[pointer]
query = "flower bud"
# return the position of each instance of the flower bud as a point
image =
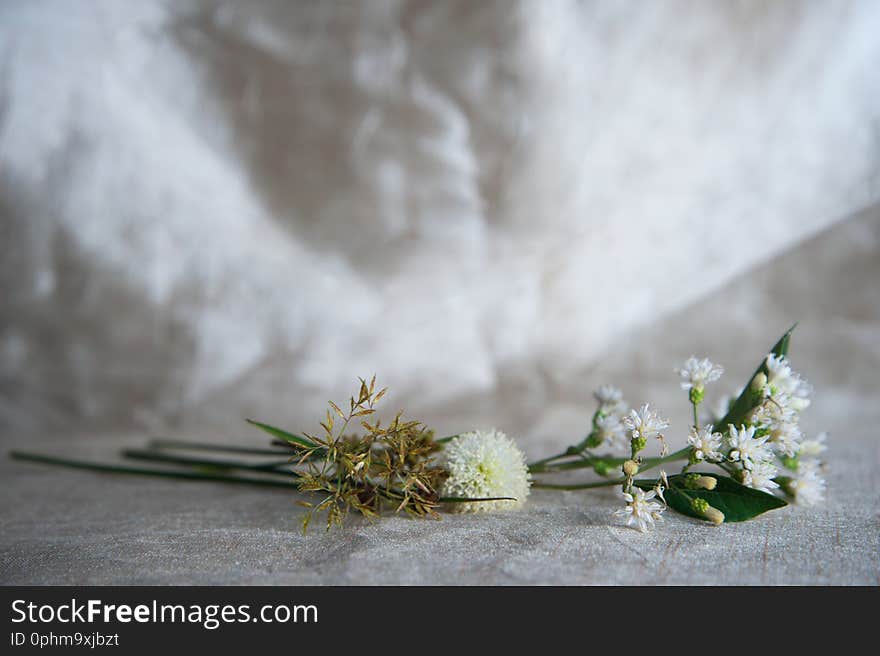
(699, 505)
(630, 468)
(708, 512)
(798, 404)
(696, 395)
(601, 467)
(790, 463)
(700, 482)
(758, 382)
(707, 482)
(714, 515)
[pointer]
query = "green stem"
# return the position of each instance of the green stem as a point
(579, 486)
(575, 450)
(138, 471)
(163, 443)
(193, 476)
(155, 456)
(539, 465)
(589, 463)
(696, 419)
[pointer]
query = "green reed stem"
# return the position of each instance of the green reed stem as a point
(578, 486)
(143, 471)
(589, 463)
(184, 445)
(156, 456)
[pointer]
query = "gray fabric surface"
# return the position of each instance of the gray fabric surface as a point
(59, 526)
(64, 527)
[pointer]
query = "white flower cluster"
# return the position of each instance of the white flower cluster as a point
(770, 439)
(608, 422)
(641, 510)
(785, 395)
(753, 455)
(483, 465)
(486, 471)
(755, 452)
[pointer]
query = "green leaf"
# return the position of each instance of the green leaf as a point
(282, 434)
(738, 502)
(749, 398)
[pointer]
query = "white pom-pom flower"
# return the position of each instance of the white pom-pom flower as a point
(486, 464)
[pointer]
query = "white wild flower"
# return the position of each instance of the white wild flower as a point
(800, 397)
(784, 385)
(761, 475)
(697, 372)
(611, 431)
(645, 423)
(486, 464)
(774, 411)
(807, 486)
(609, 397)
(746, 448)
(780, 377)
(641, 510)
(786, 439)
(815, 447)
(706, 444)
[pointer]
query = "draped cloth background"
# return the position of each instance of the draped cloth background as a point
(213, 210)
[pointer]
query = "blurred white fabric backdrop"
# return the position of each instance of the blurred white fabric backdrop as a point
(213, 210)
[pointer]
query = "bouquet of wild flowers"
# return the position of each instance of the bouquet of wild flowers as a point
(759, 455)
